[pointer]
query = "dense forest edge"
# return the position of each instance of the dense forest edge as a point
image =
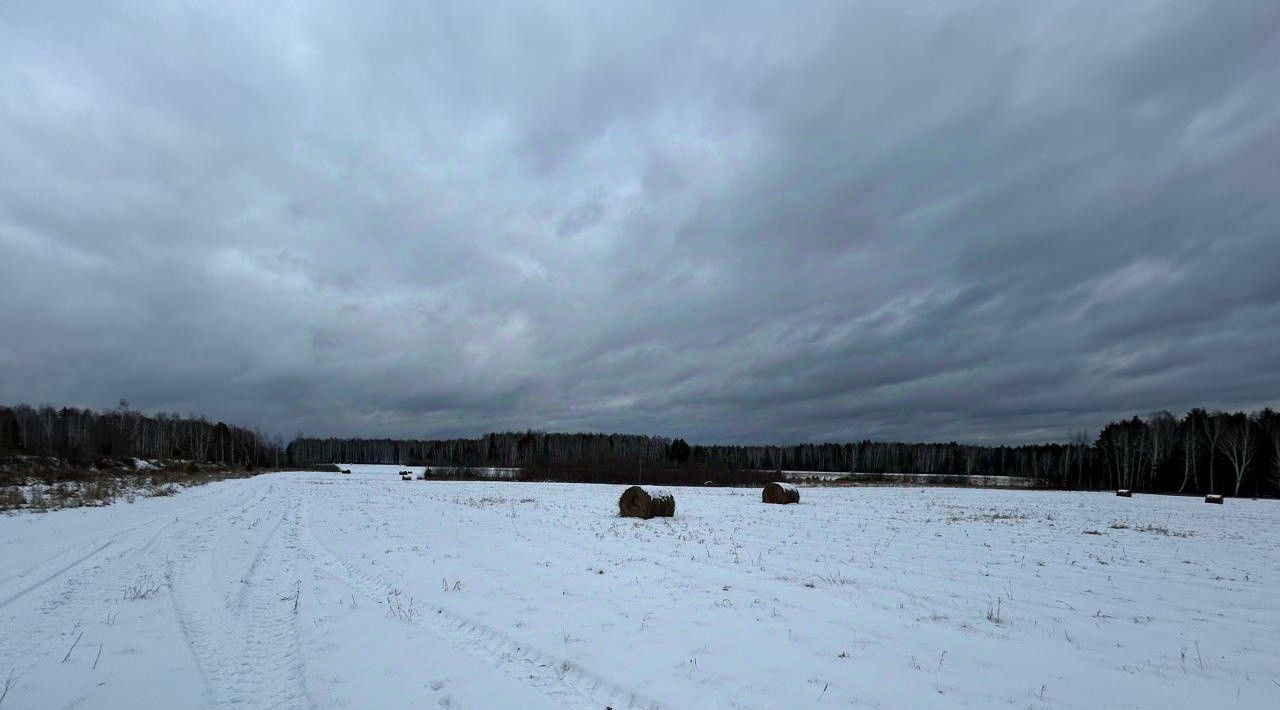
(1230, 453)
(71, 458)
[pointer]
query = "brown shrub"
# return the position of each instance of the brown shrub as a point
(11, 498)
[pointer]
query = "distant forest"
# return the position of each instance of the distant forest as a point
(84, 436)
(1201, 452)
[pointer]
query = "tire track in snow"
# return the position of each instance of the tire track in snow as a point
(247, 579)
(93, 540)
(566, 682)
(55, 575)
(118, 540)
(48, 561)
(89, 592)
(248, 653)
(71, 566)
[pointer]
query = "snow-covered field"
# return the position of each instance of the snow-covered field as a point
(363, 591)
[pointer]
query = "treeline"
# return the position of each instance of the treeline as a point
(603, 457)
(541, 450)
(1233, 453)
(506, 450)
(1201, 452)
(82, 436)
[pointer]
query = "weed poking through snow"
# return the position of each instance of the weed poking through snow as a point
(142, 588)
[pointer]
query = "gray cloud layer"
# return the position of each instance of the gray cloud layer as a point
(744, 222)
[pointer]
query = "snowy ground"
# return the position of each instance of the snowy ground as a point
(363, 591)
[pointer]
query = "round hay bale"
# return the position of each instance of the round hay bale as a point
(1124, 493)
(781, 493)
(1213, 499)
(642, 502)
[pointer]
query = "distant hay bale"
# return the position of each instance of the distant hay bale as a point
(1213, 499)
(643, 502)
(1124, 493)
(781, 493)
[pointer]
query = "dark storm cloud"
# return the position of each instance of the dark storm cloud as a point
(753, 222)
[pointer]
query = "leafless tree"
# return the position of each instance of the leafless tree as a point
(1190, 449)
(1215, 425)
(1271, 429)
(199, 436)
(1162, 432)
(46, 417)
(1122, 446)
(1080, 445)
(1237, 445)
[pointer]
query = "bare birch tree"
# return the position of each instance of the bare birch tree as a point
(1237, 445)
(1215, 425)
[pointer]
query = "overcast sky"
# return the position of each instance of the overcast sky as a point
(733, 222)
